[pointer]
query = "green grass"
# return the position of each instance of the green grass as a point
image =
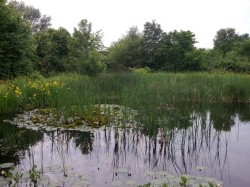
(148, 92)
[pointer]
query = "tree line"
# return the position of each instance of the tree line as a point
(175, 51)
(28, 44)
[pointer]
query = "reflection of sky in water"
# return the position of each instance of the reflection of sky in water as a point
(239, 155)
(225, 155)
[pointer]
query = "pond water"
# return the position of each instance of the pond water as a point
(205, 142)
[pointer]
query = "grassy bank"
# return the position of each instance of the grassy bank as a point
(149, 92)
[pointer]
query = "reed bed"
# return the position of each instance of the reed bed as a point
(150, 92)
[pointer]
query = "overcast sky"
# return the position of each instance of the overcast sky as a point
(115, 17)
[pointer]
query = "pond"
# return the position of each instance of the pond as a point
(203, 143)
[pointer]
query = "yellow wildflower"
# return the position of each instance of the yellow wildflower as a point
(6, 94)
(48, 92)
(18, 91)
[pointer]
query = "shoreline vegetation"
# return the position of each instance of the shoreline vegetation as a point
(148, 92)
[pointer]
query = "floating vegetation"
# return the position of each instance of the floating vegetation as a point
(200, 168)
(163, 178)
(6, 165)
(96, 118)
(116, 183)
(130, 182)
(51, 177)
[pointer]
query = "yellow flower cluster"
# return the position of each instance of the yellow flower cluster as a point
(37, 87)
(14, 90)
(45, 87)
(18, 91)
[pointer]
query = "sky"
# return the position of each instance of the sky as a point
(114, 17)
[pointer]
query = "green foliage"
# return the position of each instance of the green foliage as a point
(16, 44)
(195, 60)
(224, 40)
(36, 75)
(52, 50)
(245, 48)
(233, 62)
(93, 65)
(140, 70)
(152, 35)
(34, 174)
(148, 92)
(227, 40)
(84, 55)
(173, 51)
(184, 181)
(37, 21)
(126, 53)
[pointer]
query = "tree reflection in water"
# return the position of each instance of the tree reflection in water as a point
(199, 139)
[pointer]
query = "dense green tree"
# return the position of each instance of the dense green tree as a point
(85, 40)
(16, 44)
(227, 40)
(53, 50)
(152, 35)
(94, 64)
(126, 53)
(83, 45)
(233, 62)
(230, 47)
(196, 60)
(245, 48)
(173, 51)
(38, 21)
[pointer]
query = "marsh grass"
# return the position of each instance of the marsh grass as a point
(150, 93)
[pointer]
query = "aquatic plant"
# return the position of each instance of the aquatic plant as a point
(149, 93)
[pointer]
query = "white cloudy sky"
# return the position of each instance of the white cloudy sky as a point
(115, 17)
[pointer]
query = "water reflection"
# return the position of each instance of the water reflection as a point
(210, 137)
(14, 142)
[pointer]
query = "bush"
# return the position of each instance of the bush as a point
(140, 70)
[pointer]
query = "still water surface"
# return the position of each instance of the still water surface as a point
(215, 137)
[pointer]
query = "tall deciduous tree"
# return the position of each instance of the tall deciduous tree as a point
(245, 48)
(84, 44)
(224, 40)
(16, 44)
(152, 35)
(85, 40)
(173, 50)
(38, 21)
(126, 53)
(53, 50)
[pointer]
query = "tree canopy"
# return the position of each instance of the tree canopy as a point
(16, 44)
(28, 44)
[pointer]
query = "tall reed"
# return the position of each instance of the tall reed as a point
(151, 92)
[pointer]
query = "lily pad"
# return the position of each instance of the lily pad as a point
(6, 165)
(200, 168)
(130, 182)
(54, 184)
(116, 183)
